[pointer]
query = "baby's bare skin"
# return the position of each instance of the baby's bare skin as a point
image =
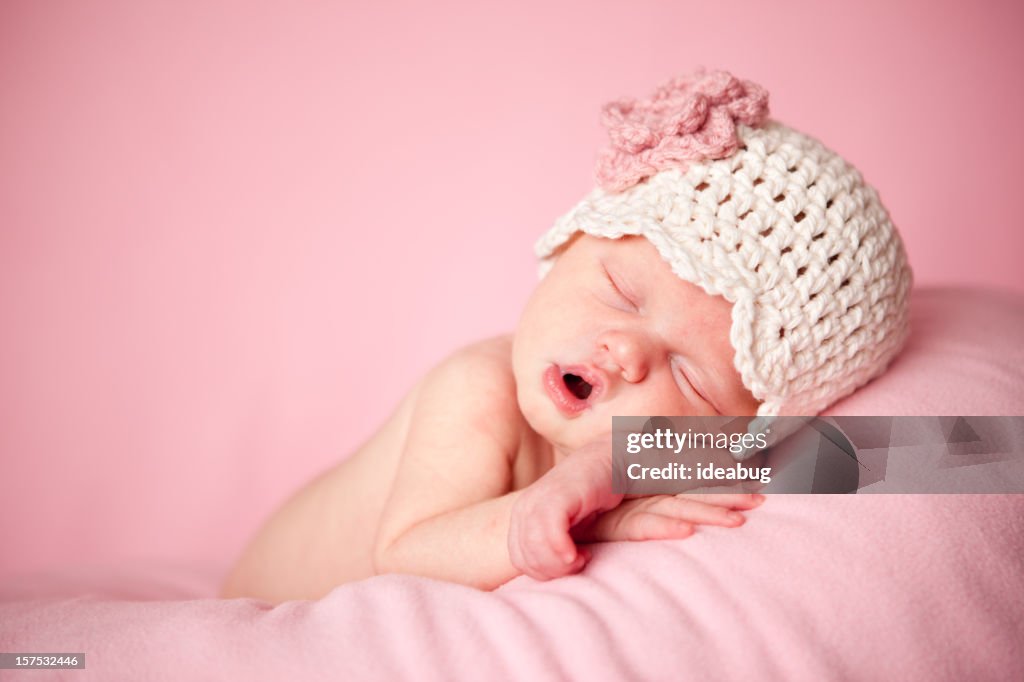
(484, 469)
(294, 556)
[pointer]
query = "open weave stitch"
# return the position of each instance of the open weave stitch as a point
(765, 216)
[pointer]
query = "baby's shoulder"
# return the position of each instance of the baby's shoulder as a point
(495, 352)
(476, 383)
(485, 367)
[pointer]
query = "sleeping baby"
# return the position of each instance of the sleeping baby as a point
(725, 265)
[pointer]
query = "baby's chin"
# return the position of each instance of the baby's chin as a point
(576, 434)
(560, 433)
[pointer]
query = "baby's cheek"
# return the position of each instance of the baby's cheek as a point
(656, 400)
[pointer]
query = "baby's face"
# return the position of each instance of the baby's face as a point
(611, 330)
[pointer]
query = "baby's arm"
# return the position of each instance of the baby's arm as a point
(667, 517)
(574, 502)
(447, 516)
(572, 493)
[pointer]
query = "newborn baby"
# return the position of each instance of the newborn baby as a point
(726, 265)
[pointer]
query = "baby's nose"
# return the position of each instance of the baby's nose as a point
(625, 353)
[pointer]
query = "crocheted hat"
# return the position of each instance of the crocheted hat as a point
(765, 216)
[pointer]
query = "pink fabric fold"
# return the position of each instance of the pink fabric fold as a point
(812, 587)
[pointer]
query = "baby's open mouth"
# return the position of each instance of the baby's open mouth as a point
(577, 386)
(573, 388)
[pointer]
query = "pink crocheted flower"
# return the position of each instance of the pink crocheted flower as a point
(689, 118)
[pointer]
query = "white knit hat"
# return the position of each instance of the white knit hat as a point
(765, 216)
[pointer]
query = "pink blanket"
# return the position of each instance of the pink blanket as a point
(826, 587)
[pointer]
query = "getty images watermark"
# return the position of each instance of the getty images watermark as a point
(668, 455)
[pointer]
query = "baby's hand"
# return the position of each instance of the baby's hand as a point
(664, 517)
(574, 491)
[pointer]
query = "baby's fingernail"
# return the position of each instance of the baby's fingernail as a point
(759, 498)
(733, 516)
(569, 557)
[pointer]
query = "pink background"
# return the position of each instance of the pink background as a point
(232, 234)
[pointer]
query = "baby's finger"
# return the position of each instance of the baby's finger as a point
(582, 557)
(553, 552)
(553, 566)
(731, 500)
(651, 526)
(561, 543)
(535, 564)
(735, 488)
(700, 512)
